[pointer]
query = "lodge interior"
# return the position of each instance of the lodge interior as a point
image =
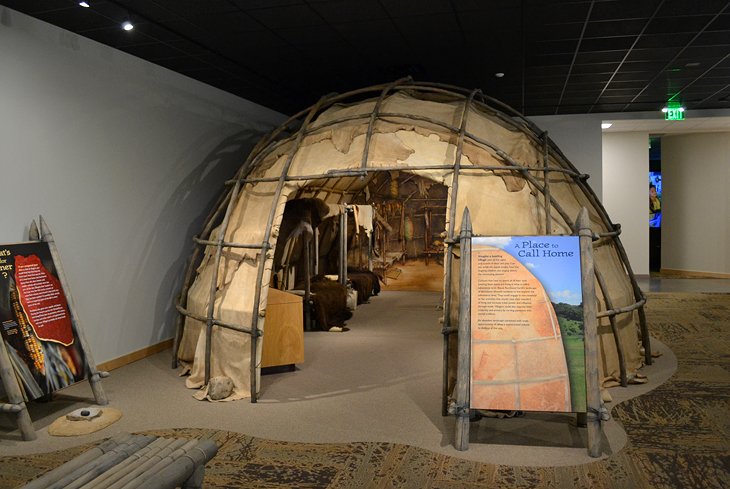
(391, 218)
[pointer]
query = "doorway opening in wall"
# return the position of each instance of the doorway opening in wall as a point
(365, 257)
(655, 203)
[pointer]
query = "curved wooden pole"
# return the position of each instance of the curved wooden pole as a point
(448, 260)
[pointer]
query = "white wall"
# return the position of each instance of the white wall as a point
(123, 159)
(626, 192)
(695, 202)
(579, 137)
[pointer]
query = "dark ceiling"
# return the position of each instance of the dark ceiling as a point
(557, 56)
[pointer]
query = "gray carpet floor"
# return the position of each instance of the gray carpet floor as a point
(379, 381)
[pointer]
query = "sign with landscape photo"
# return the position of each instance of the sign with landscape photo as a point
(36, 324)
(527, 347)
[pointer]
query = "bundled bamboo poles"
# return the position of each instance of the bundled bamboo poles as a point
(133, 462)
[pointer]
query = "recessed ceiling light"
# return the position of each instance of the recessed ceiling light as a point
(605, 125)
(85, 4)
(499, 74)
(127, 25)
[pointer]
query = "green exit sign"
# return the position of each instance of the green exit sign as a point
(673, 112)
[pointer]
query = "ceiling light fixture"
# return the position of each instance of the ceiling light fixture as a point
(499, 74)
(606, 125)
(85, 4)
(127, 25)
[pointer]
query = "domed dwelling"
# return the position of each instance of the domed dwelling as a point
(336, 154)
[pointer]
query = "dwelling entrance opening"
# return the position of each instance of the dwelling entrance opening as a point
(343, 241)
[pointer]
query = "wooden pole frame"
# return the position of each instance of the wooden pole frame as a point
(303, 124)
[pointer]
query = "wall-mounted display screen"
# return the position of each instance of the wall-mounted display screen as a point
(655, 199)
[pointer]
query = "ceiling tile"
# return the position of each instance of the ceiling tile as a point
(686, 8)
(287, 16)
(339, 12)
(615, 28)
(673, 25)
(407, 8)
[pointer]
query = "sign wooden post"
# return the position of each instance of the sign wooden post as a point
(464, 344)
(95, 376)
(590, 324)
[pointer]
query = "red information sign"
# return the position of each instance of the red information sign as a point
(35, 322)
(43, 300)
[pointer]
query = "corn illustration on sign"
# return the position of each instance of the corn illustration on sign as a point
(37, 327)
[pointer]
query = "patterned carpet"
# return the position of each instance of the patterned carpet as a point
(679, 434)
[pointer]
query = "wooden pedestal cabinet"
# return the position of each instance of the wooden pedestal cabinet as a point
(283, 340)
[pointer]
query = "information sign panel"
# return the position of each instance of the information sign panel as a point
(527, 347)
(36, 324)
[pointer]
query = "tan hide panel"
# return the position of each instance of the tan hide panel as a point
(621, 294)
(247, 224)
(495, 211)
(571, 199)
(234, 298)
(323, 156)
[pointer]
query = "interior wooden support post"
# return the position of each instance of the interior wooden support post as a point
(358, 237)
(267, 239)
(307, 285)
(316, 251)
(614, 328)
(546, 166)
(370, 249)
(384, 251)
(343, 247)
(94, 375)
(464, 362)
(448, 259)
(590, 324)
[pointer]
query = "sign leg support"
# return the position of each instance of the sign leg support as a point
(590, 323)
(94, 375)
(464, 361)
